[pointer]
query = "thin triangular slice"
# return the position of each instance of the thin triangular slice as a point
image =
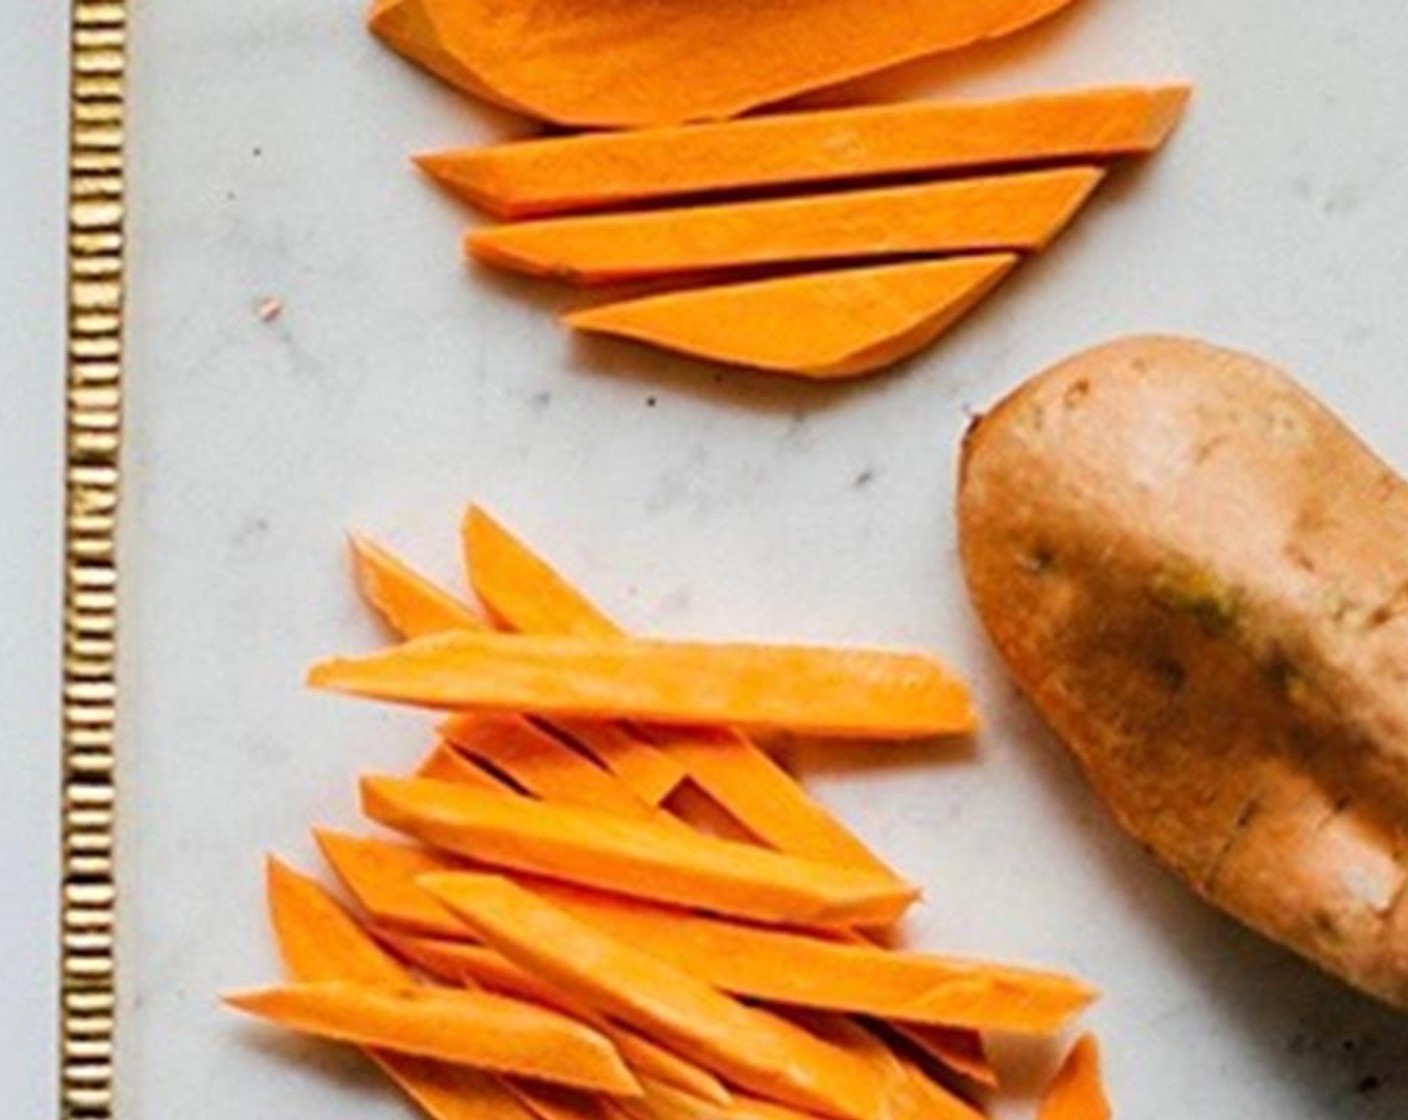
(749, 1047)
(1016, 212)
(586, 62)
(445, 764)
(820, 325)
(598, 170)
(633, 856)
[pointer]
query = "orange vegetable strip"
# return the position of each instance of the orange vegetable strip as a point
(523, 590)
(459, 962)
(381, 876)
(541, 764)
(635, 857)
(822, 691)
(823, 326)
(594, 170)
(408, 602)
(520, 588)
(857, 977)
(748, 1047)
(664, 1102)
(445, 764)
(958, 1049)
(1078, 1091)
(644, 769)
(319, 940)
(910, 1093)
(452, 1025)
(1020, 212)
(499, 566)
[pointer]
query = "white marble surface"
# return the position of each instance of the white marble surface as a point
(269, 161)
(33, 85)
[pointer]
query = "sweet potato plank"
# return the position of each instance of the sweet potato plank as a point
(594, 170)
(452, 1025)
(409, 603)
(462, 962)
(524, 591)
(541, 764)
(748, 1047)
(643, 768)
(382, 875)
(318, 940)
(1077, 1092)
(878, 694)
(791, 968)
(821, 325)
(641, 62)
(1008, 212)
(445, 764)
(636, 857)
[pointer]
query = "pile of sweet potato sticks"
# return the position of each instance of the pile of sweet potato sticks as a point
(820, 243)
(616, 905)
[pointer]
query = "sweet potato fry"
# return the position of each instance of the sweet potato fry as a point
(542, 764)
(637, 857)
(795, 969)
(748, 1047)
(445, 764)
(817, 690)
(381, 876)
(406, 600)
(524, 591)
(452, 1025)
(1077, 1092)
(460, 962)
(318, 940)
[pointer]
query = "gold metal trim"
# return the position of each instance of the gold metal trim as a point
(94, 435)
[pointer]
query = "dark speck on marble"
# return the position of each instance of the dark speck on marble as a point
(863, 478)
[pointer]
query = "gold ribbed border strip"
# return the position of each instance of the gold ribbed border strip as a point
(94, 431)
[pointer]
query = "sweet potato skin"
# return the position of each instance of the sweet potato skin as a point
(1199, 576)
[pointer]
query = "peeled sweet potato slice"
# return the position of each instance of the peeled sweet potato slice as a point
(1012, 212)
(541, 764)
(445, 764)
(790, 968)
(381, 876)
(820, 325)
(451, 1025)
(318, 940)
(626, 63)
(561, 174)
(523, 590)
(877, 694)
(411, 604)
(461, 962)
(746, 1046)
(1077, 1092)
(632, 856)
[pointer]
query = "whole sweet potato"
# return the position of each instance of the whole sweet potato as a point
(1200, 577)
